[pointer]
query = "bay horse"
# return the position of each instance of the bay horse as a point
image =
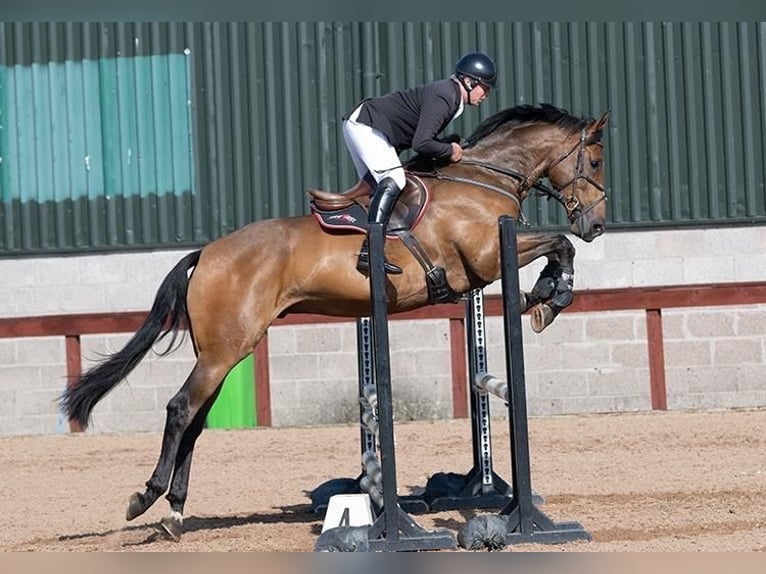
(229, 292)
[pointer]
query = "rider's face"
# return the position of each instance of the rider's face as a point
(478, 94)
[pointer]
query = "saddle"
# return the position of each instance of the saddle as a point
(347, 213)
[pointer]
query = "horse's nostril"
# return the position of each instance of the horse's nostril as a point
(598, 229)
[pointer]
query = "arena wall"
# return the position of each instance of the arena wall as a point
(585, 362)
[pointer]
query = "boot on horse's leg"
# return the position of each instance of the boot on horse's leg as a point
(381, 205)
(557, 288)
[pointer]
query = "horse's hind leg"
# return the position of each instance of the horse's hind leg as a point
(179, 487)
(182, 409)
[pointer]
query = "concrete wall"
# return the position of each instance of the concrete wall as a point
(584, 362)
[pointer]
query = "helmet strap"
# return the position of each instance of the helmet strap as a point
(467, 85)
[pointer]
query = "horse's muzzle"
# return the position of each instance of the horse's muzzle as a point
(595, 230)
(587, 230)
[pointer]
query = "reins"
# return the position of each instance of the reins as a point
(439, 175)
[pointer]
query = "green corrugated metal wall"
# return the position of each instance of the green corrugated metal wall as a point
(134, 135)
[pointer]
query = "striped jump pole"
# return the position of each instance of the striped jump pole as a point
(488, 383)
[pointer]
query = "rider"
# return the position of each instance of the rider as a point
(380, 128)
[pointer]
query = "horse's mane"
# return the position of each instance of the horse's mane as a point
(524, 114)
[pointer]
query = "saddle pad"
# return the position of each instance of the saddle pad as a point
(353, 219)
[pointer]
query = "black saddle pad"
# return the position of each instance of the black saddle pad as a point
(352, 218)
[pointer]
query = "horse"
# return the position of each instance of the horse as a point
(226, 294)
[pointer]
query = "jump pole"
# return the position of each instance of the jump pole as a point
(393, 529)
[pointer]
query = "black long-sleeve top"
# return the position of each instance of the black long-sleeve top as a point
(413, 118)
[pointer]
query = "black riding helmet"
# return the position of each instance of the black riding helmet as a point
(477, 66)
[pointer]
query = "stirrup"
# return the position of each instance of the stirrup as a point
(363, 265)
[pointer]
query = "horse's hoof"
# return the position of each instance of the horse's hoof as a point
(135, 506)
(542, 316)
(523, 302)
(173, 525)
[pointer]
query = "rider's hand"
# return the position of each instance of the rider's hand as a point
(457, 153)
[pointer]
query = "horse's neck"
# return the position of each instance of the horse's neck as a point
(524, 149)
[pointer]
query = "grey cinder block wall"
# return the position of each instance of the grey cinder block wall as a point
(585, 362)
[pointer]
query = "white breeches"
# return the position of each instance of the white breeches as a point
(370, 151)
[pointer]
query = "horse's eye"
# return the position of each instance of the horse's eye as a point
(595, 163)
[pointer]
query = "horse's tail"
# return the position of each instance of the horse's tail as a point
(169, 308)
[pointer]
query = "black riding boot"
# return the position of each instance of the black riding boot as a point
(381, 205)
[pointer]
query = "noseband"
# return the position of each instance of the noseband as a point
(570, 202)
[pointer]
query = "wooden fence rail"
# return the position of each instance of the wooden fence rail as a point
(652, 300)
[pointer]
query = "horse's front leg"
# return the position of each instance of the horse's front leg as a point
(553, 290)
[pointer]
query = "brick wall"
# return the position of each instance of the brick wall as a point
(585, 362)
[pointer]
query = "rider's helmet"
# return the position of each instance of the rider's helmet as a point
(478, 66)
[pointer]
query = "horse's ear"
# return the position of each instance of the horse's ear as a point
(599, 124)
(595, 129)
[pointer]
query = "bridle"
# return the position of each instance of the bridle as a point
(570, 202)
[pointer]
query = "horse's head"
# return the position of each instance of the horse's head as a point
(577, 176)
(528, 143)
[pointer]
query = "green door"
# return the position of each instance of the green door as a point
(235, 406)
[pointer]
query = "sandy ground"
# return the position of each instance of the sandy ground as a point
(662, 481)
